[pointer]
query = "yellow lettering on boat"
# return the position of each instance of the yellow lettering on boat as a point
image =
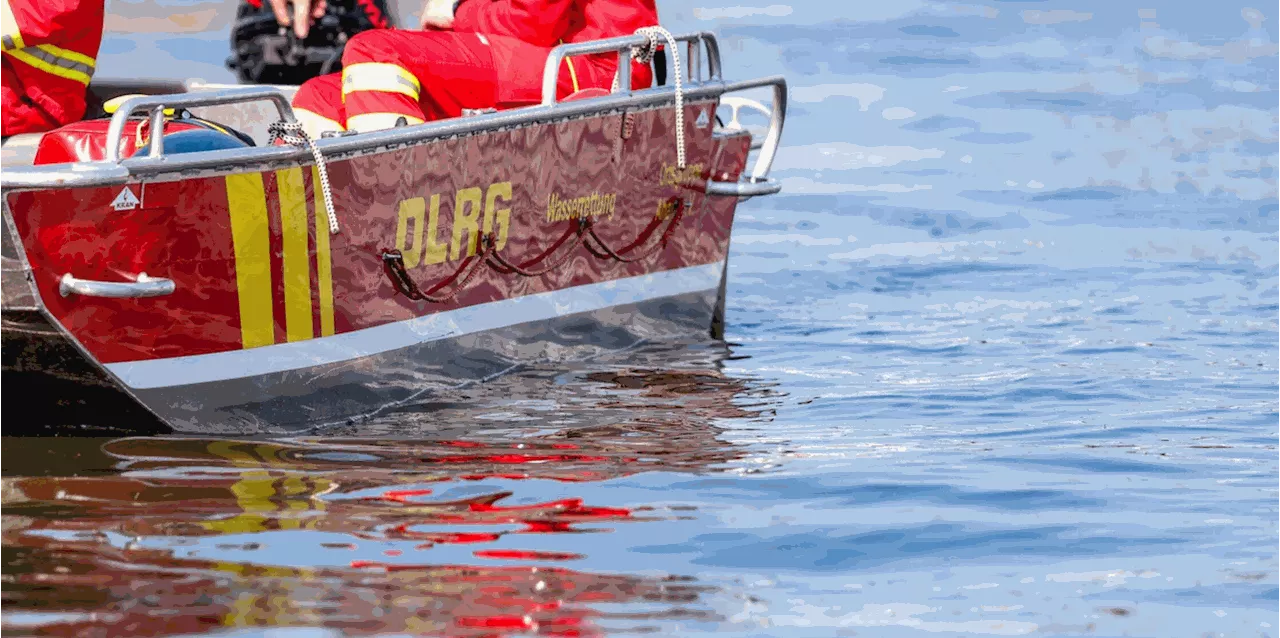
(676, 176)
(426, 238)
(324, 262)
(667, 208)
(411, 210)
(251, 244)
(295, 241)
(436, 252)
(503, 190)
(466, 219)
(593, 205)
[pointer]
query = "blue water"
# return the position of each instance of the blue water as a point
(1002, 361)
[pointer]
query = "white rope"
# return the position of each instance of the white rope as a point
(645, 54)
(293, 133)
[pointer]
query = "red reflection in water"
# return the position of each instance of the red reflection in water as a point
(400, 496)
(516, 554)
(142, 548)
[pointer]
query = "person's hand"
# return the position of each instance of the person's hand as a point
(304, 13)
(437, 14)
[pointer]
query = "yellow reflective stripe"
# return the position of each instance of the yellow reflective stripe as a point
(573, 73)
(296, 260)
(379, 76)
(250, 238)
(68, 54)
(53, 65)
(324, 265)
(315, 124)
(366, 122)
(9, 31)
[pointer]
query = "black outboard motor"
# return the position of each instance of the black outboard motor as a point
(264, 52)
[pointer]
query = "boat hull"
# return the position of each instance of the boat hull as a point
(351, 391)
(51, 385)
(278, 324)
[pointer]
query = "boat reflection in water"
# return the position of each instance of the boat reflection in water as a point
(446, 534)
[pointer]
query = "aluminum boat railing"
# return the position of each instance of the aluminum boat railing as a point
(158, 166)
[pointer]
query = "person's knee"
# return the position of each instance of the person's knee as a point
(318, 91)
(318, 105)
(373, 62)
(376, 45)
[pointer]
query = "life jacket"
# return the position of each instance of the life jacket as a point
(50, 53)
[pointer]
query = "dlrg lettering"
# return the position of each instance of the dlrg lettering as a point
(421, 245)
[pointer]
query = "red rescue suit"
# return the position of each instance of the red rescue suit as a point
(493, 57)
(50, 52)
(546, 23)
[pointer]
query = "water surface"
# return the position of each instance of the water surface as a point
(1001, 361)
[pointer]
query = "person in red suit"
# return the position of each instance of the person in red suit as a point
(50, 52)
(472, 54)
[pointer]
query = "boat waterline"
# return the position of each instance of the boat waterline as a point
(283, 357)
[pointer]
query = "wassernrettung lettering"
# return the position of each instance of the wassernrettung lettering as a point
(593, 205)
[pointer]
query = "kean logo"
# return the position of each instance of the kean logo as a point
(126, 200)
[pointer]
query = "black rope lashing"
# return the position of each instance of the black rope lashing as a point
(582, 229)
(502, 265)
(607, 252)
(393, 265)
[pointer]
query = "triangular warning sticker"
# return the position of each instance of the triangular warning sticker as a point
(702, 120)
(126, 200)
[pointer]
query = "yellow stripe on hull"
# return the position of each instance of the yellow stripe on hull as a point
(251, 239)
(297, 262)
(324, 263)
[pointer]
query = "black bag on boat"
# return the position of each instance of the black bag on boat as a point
(263, 52)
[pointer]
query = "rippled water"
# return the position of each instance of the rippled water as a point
(1002, 360)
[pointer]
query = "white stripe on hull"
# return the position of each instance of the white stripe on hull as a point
(282, 357)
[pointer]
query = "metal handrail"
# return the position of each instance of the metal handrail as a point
(156, 105)
(758, 182)
(98, 174)
(622, 46)
(750, 188)
(93, 174)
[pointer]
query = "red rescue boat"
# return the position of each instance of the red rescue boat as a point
(213, 291)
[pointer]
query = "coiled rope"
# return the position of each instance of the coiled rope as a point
(293, 134)
(645, 54)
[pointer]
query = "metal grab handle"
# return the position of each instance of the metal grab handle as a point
(156, 105)
(144, 287)
(744, 189)
(622, 46)
(758, 184)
